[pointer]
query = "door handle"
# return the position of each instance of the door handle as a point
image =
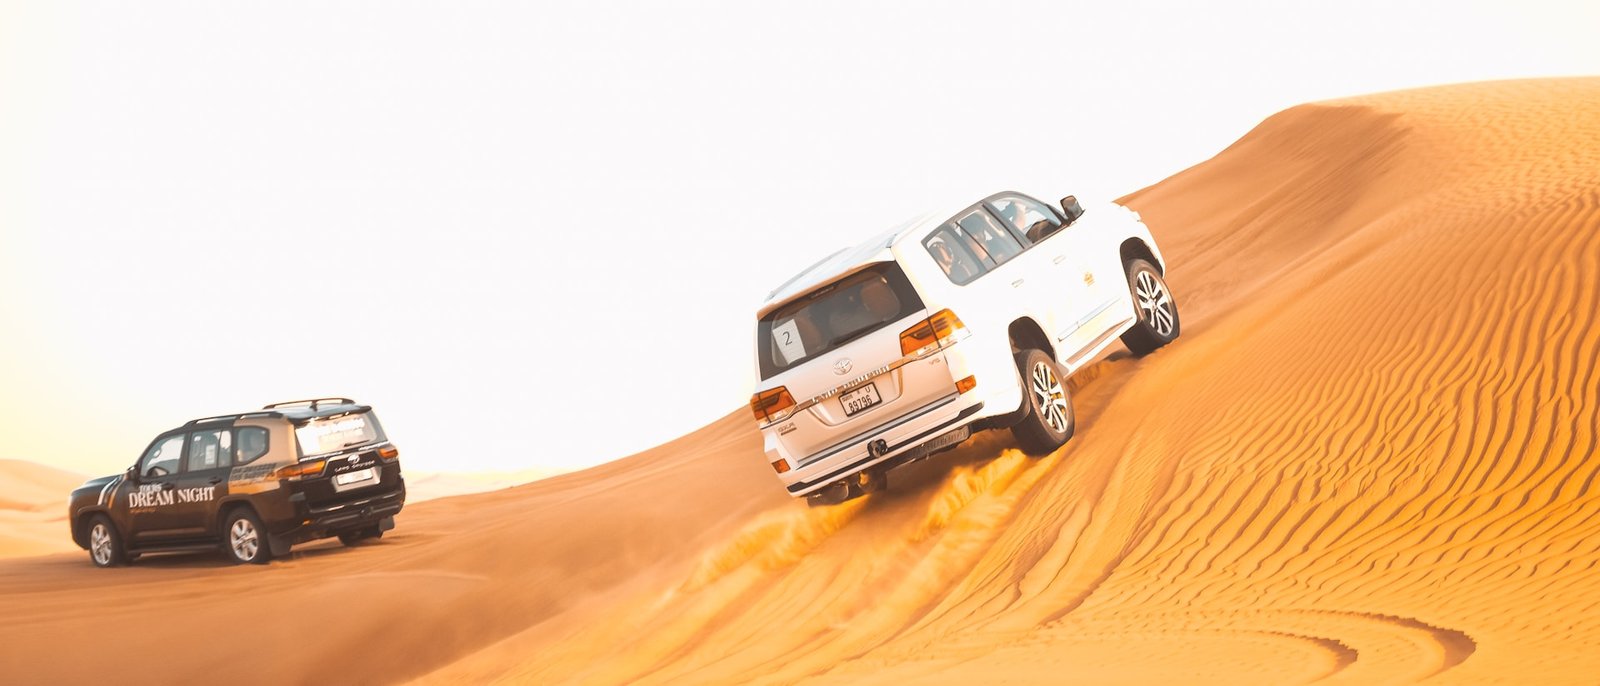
(1059, 259)
(167, 486)
(1017, 283)
(216, 480)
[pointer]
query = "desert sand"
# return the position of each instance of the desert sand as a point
(1370, 459)
(33, 508)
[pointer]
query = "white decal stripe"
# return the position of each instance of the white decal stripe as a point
(109, 485)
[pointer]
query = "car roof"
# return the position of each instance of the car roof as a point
(297, 411)
(858, 257)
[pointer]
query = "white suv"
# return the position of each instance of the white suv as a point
(904, 345)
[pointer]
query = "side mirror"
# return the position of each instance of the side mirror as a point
(132, 474)
(1071, 208)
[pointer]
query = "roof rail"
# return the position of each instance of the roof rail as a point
(313, 402)
(240, 415)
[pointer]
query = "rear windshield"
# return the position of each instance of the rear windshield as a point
(332, 434)
(834, 315)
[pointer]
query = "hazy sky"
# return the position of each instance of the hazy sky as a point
(535, 234)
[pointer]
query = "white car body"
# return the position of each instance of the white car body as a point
(1067, 294)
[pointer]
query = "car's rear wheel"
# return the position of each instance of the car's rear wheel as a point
(105, 544)
(244, 540)
(1157, 311)
(1049, 421)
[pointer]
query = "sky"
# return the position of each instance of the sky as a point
(535, 235)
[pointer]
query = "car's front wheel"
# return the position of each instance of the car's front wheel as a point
(244, 540)
(1049, 421)
(105, 544)
(1157, 312)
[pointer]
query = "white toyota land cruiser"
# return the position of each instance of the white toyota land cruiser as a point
(904, 345)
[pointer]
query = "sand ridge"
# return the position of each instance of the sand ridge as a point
(1371, 459)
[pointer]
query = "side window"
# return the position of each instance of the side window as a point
(994, 241)
(162, 459)
(953, 251)
(210, 449)
(251, 444)
(1032, 220)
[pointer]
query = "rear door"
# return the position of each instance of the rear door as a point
(203, 482)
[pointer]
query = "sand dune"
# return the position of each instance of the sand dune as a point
(1371, 459)
(33, 508)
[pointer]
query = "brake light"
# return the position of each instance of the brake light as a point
(772, 405)
(389, 453)
(936, 332)
(301, 469)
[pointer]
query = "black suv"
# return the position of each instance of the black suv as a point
(253, 483)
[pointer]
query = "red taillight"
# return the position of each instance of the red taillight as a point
(301, 469)
(389, 453)
(771, 405)
(931, 334)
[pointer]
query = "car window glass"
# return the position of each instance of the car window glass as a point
(162, 459)
(1031, 219)
(250, 444)
(210, 449)
(953, 251)
(994, 241)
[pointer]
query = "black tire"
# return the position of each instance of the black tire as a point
(1049, 421)
(352, 538)
(1157, 311)
(105, 543)
(244, 540)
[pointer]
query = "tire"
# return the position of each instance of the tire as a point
(1049, 421)
(244, 540)
(105, 544)
(1157, 311)
(353, 538)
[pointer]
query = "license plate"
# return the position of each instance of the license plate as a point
(860, 399)
(355, 476)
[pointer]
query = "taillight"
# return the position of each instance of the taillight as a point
(389, 453)
(933, 333)
(772, 405)
(301, 469)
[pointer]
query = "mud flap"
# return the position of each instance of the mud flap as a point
(279, 545)
(385, 524)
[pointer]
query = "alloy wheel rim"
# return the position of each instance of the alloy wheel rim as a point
(1051, 397)
(1155, 304)
(244, 540)
(100, 543)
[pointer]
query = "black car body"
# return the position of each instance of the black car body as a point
(253, 483)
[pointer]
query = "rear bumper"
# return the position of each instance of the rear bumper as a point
(943, 426)
(320, 520)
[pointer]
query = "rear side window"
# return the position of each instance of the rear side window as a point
(990, 237)
(834, 315)
(251, 444)
(957, 254)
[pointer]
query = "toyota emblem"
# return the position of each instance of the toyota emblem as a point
(842, 367)
(355, 458)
